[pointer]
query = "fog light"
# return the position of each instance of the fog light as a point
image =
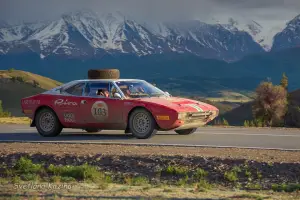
(182, 116)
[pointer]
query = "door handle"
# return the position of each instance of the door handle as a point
(83, 102)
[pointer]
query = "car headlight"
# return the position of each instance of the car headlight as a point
(182, 116)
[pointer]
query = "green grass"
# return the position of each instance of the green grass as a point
(176, 170)
(25, 166)
(232, 175)
(136, 181)
(83, 172)
(200, 173)
(24, 170)
(286, 187)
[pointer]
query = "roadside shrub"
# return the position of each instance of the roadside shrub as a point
(286, 187)
(225, 122)
(35, 83)
(2, 112)
(259, 122)
(200, 173)
(25, 166)
(220, 122)
(246, 123)
(21, 79)
(232, 175)
(82, 172)
(270, 104)
(176, 170)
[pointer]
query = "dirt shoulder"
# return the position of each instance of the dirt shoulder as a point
(131, 150)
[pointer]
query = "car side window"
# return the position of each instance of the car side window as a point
(76, 90)
(97, 89)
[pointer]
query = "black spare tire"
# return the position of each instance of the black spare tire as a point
(103, 74)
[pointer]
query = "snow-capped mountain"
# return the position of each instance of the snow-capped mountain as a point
(85, 34)
(261, 32)
(289, 37)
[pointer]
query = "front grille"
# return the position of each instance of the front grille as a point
(196, 116)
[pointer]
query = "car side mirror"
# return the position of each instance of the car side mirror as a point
(117, 95)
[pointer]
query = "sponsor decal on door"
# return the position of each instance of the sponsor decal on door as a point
(69, 117)
(31, 102)
(62, 102)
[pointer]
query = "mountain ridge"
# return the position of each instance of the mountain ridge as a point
(87, 34)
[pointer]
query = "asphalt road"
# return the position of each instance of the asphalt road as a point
(206, 136)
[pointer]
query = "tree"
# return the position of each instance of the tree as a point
(284, 81)
(270, 104)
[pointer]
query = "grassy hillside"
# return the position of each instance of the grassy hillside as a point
(28, 77)
(238, 115)
(15, 84)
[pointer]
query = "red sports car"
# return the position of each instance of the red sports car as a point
(135, 106)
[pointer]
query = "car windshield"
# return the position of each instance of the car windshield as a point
(138, 89)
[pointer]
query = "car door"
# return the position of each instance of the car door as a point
(100, 111)
(67, 105)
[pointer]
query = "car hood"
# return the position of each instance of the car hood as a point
(180, 104)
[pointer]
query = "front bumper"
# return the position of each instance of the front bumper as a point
(187, 120)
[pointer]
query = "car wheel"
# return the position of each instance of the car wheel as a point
(186, 131)
(142, 124)
(92, 130)
(47, 123)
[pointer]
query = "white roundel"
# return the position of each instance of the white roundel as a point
(99, 110)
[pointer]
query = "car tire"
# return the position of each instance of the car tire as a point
(47, 123)
(142, 124)
(92, 130)
(103, 74)
(186, 131)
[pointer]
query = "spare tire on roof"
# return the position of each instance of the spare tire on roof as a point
(103, 74)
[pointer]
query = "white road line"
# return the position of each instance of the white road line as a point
(202, 133)
(146, 144)
(250, 134)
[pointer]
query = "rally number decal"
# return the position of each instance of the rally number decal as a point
(99, 110)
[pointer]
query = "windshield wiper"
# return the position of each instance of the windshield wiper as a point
(139, 94)
(157, 94)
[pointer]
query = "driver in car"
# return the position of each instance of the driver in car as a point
(103, 92)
